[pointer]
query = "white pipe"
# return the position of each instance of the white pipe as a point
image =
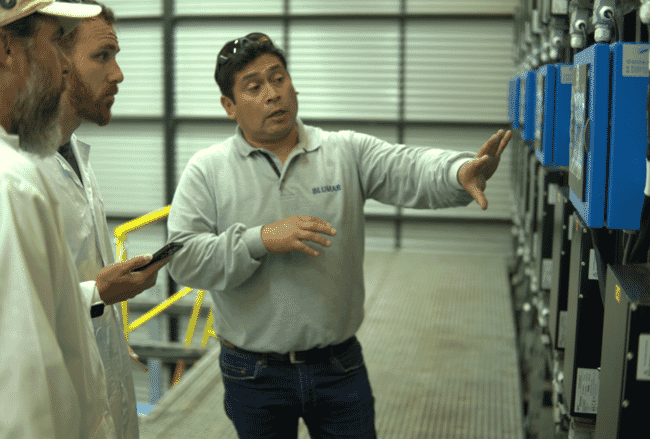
(644, 11)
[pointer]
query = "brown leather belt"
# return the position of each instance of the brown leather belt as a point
(313, 355)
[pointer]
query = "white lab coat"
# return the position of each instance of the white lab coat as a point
(90, 243)
(51, 377)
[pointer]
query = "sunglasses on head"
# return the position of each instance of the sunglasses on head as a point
(238, 46)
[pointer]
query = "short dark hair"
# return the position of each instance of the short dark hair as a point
(107, 14)
(225, 75)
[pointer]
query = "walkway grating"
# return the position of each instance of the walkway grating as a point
(439, 343)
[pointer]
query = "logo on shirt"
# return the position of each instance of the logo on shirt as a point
(325, 189)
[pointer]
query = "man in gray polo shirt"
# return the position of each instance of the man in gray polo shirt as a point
(287, 312)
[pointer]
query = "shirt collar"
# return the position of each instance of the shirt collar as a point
(10, 139)
(80, 149)
(308, 140)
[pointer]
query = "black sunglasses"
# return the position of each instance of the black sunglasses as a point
(238, 46)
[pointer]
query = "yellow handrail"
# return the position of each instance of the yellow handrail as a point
(121, 233)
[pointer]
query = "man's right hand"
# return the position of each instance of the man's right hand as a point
(117, 282)
(287, 235)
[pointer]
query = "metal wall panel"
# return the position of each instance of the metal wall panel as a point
(141, 61)
(346, 69)
(461, 7)
(130, 9)
(458, 70)
(467, 138)
(128, 159)
(197, 46)
(344, 7)
(228, 7)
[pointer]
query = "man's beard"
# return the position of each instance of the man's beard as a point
(89, 107)
(37, 115)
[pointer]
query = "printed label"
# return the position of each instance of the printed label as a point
(635, 60)
(593, 268)
(643, 363)
(587, 384)
(566, 74)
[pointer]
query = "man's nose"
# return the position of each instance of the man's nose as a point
(117, 75)
(271, 93)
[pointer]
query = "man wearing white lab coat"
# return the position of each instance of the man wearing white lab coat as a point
(51, 378)
(92, 48)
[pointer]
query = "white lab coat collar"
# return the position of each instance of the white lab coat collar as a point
(81, 152)
(10, 139)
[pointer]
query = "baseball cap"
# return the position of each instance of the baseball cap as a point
(69, 14)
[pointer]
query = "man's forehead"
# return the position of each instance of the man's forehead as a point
(98, 29)
(260, 66)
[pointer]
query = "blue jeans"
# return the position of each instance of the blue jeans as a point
(264, 397)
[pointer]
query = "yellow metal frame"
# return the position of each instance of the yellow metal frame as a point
(121, 233)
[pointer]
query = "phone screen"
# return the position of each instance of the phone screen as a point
(167, 250)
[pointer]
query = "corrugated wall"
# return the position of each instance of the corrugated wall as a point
(347, 70)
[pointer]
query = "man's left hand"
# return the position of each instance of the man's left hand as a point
(474, 174)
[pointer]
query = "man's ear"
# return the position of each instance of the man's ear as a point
(229, 106)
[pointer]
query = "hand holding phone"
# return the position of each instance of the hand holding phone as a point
(167, 250)
(123, 280)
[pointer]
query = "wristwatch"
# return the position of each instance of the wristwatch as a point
(97, 309)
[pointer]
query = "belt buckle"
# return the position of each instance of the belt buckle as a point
(292, 358)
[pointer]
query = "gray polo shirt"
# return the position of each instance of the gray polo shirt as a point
(280, 303)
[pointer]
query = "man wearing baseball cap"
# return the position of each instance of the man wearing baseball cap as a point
(51, 378)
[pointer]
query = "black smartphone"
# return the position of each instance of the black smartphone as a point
(167, 250)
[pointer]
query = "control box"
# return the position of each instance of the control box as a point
(623, 404)
(563, 229)
(584, 325)
(607, 165)
(553, 114)
(629, 136)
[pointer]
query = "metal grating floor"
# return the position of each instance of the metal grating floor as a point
(439, 343)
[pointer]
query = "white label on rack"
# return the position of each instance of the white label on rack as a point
(552, 193)
(643, 363)
(566, 74)
(593, 268)
(635, 59)
(587, 384)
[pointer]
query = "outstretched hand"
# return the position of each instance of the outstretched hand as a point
(474, 174)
